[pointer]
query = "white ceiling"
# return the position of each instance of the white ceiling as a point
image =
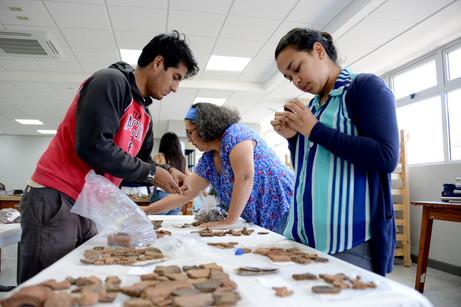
(371, 36)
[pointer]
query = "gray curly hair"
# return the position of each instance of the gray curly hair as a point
(212, 120)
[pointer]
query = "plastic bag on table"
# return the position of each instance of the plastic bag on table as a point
(211, 211)
(113, 211)
(10, 215)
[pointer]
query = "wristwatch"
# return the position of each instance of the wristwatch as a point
(151, 176)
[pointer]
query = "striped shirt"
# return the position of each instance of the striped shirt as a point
(331, 203)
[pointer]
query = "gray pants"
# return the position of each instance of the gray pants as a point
(359, 255)
(49, 229)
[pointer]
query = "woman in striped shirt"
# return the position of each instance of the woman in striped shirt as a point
(344, 144)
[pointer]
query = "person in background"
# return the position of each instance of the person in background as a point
(344, 145)
(108, 129)
(246, 173)
(169, 152)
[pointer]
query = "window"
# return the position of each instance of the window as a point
(432, 116)
(454, 64)
(423, 121)
(415, 80)
(454, 123)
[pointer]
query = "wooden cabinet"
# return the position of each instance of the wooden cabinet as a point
(10, 201)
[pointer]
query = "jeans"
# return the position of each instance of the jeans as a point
(158, 194)
(359, 255)
(49, 229)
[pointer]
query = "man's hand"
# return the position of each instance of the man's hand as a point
(181, 179)
(163, 179)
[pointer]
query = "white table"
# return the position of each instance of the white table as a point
(186, 248)
(9, 234)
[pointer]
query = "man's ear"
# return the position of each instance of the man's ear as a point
(158, 61)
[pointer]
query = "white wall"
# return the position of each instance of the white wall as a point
(18, 157)
(19, 154)
(426, 183)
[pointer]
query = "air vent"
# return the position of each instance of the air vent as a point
(35, 44)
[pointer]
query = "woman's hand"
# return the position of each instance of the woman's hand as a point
(224, 222)
(298, 117)
(281, 126)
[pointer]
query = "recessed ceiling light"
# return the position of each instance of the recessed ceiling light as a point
(216, 101)
(47, 131)
(29, 121)
(227, 63)
(130, 56)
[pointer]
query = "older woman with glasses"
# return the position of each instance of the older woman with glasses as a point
(249, 178)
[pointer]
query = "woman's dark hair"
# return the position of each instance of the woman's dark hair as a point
(174, 50)
(302, 39)
(171, 149)
(212, 120)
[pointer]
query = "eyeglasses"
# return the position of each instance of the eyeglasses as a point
(188, 134)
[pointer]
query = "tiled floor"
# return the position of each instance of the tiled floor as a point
(442, 289)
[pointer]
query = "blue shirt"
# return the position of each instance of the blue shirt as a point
(272, 184)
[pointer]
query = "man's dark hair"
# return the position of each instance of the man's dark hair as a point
(174, 50)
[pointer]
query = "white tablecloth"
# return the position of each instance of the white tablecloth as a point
(186, 248)
(9, 234)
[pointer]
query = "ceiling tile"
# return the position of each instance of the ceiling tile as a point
(32, 86)
(17, 63)
(83, 38)
(409, 10)
(220, 75)
(262, 66)
(93, 55)
(200, 44)
(261, 9)
(133, 40)
(374, 30)
(127, 18)
(34, 10)
(247, 28)
(286, 26)
(233, 47)
(69, 15)
(317, 12)
(349, 52)
(60, 66)
(203, 6)
(204, 24)
(157, 4)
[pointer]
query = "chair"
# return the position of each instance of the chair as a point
(187, 209)
(401, 197)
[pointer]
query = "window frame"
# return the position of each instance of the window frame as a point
(441, 89)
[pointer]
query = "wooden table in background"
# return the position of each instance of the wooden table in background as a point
(10, 201)
(432, 210)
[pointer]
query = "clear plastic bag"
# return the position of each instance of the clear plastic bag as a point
(211, 211)
(10, 215)
(113, 211)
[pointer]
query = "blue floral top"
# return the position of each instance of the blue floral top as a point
(272, 184)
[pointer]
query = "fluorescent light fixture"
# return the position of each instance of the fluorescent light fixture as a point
(227, 63)
(29, 121)
(47, 131)
(130, 56)
(216, 101)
